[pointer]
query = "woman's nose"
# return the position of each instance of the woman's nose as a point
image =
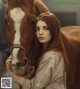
(40, 31)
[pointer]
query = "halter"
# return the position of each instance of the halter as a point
(39, 17)
(21, 47)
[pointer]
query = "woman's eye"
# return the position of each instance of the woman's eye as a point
(45, 28)
(37, 28)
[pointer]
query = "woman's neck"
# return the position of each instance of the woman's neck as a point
(45, 45)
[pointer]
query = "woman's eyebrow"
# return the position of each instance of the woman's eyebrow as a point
(45, 26)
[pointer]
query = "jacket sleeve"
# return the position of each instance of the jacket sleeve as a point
(43, 75)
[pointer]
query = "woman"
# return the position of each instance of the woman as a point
(52, 62)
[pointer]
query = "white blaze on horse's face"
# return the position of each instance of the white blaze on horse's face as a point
(17, 15)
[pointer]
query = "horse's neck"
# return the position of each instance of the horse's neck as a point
(40, 7)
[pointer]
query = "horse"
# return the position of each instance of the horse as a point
(17, 27)
(19, 16)
(73, 34)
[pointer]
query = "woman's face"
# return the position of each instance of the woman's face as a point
(42, 32)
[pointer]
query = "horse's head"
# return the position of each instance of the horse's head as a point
(19, 15)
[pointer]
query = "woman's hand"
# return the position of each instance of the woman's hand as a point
(19, 79)
(8, 64)
(30, 72)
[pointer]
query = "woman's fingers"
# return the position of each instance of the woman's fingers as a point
(29, 68)
(30, 71)
(10, 58)
(8, 63)
(32, 67)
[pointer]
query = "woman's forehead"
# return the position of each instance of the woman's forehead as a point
(41, 23)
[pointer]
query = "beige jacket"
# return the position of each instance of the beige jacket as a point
(50, 73)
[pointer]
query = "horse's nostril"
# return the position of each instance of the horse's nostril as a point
(20, 63)
(25, 61)
(16, 64)
(13, 65)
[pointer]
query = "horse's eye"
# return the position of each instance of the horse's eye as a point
(7, 22)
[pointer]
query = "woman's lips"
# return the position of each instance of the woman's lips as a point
(41, 38)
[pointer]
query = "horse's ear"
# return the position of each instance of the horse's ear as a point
(5, 1)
